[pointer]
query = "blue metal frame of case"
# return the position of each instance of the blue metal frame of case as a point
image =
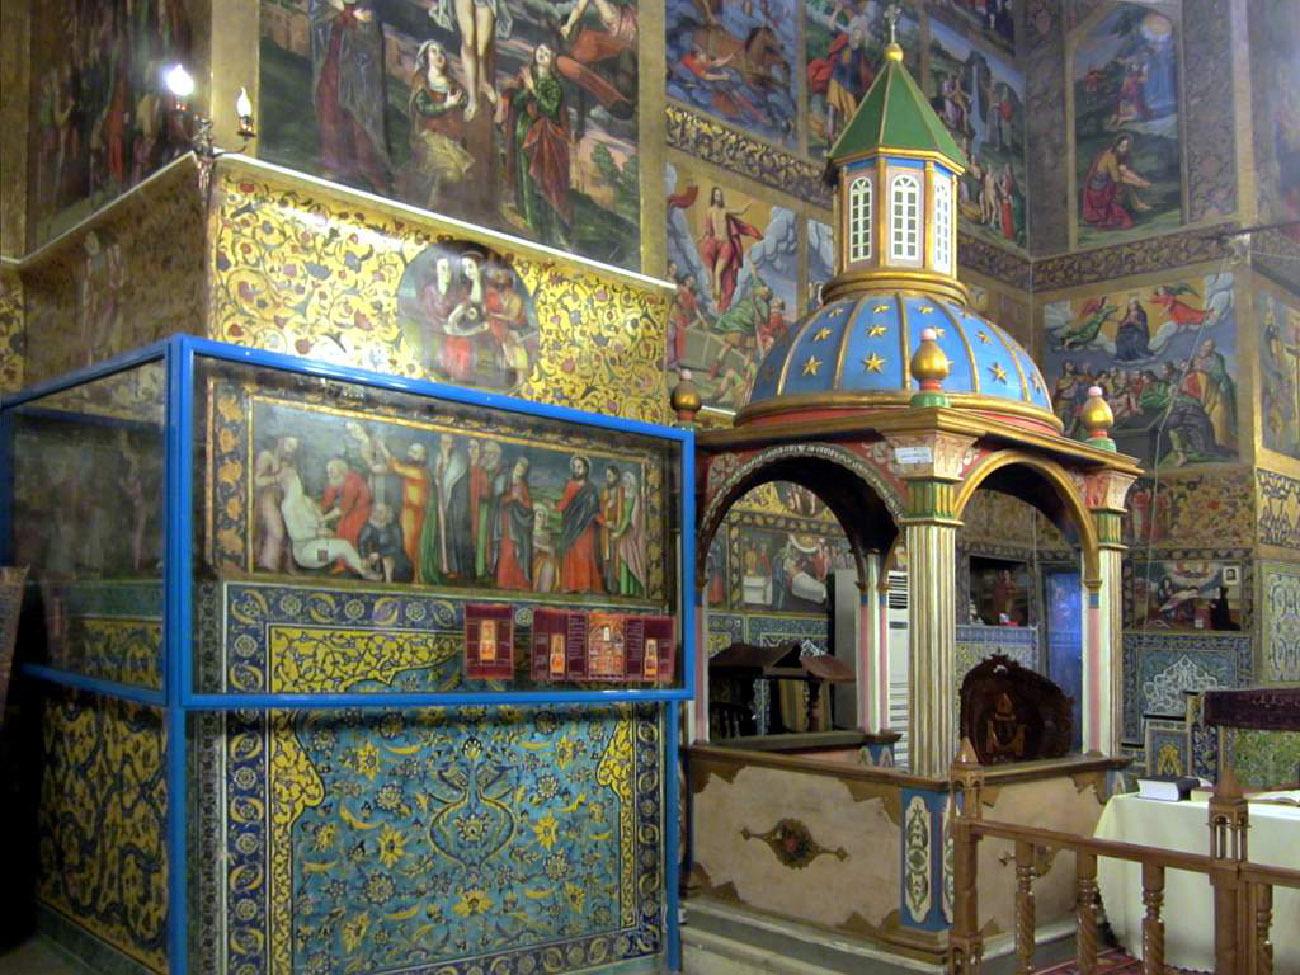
(179, 699)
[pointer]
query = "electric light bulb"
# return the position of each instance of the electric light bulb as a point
(179, 81)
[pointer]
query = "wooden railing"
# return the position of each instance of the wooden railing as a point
(1243, 891)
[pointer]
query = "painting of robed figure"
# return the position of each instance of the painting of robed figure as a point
(513, 115)
(346, 496)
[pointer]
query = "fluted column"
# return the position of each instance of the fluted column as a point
(873, 653)
(931, 534)
(1103, 649)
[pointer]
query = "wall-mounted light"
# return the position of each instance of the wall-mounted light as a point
(244, 109)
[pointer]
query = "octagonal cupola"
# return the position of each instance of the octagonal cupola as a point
(895, 170)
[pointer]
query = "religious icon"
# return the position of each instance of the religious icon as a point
(487, 641)
(558, 658)
(650, 662)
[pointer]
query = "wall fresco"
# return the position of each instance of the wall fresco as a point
(12, 334)
(510, 115)
(1193, 511)
(995, 20)
(734, 258)
(784, 570)
(102, 120)
(280, 283)
(844, 42)
(120, 284)
(471, 316)
(736, 63)
(1165, 357)
(1275, 77)
(1189, 594)
(457, 502)
(1279, 509)
(1125, 78)
(100, 823)
(981, 99)
(1279, 372)
(821, 261)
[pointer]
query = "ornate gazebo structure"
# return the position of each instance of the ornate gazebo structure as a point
(894, 402)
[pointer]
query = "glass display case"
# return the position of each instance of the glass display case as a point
(407, 651)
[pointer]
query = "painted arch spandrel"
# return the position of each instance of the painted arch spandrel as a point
(517, 116)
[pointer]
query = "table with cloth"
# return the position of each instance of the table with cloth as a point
(1274, 840)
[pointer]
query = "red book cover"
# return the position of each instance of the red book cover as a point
(489, 642)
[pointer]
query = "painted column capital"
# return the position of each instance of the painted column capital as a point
(1107, 490)
(930, 454)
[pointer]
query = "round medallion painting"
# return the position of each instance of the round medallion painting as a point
(470, 317)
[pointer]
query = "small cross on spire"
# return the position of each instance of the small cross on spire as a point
(892, 13)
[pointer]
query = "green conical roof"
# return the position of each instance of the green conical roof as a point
(895, 114)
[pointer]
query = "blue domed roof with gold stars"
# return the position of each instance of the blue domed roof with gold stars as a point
(856, 351)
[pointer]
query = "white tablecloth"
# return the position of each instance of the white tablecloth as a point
(1188, 913)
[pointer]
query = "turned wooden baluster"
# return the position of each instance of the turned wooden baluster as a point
(1086, 872)
(966, 946)
(1153, 929)
(1025, 923)
(1263, 921)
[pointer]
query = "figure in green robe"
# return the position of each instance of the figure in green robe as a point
(537, 153)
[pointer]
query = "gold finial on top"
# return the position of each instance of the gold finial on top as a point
(929, 364)
(1097, 419)
(685, 398)
(930, 367)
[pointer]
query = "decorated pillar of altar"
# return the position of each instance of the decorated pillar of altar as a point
(931, 463)
(1103, 651)
(873, 652)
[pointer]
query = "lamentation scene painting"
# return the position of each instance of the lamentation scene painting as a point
(337, 496)
(1127, 140)
(734, 259)
(1165, 357)
(514, 115)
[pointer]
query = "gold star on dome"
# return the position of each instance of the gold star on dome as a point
(879, 308)
(877, 330)
(811, 365)
(822, 335)
(983, 337)
(926, 309)
(999, 373)
(940, 332)
(874, 362)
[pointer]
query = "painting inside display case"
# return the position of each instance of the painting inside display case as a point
(390, 514)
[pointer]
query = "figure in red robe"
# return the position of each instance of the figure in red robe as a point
(1176, 310)
(1110, 188)
(345, 503)
(579, 507)
(722, 245)
(515, 511)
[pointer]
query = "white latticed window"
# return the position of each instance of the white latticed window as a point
(860, 220)
(943, 224)
(905, 225)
